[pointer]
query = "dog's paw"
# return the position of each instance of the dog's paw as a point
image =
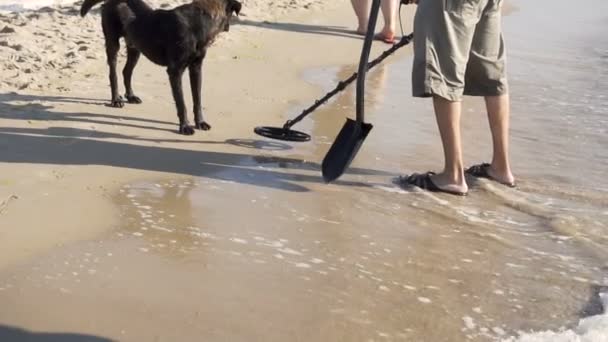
(117, 103)
(186, 130)
(133, 99)
(203, 126)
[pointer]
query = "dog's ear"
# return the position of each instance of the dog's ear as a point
(234, 7)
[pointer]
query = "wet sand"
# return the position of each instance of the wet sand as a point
(238, 239)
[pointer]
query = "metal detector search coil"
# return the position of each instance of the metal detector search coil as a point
(282, 133)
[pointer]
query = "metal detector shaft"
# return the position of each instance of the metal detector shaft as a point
(405, 40)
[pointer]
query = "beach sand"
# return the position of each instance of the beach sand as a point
(54, 91)
(114, 227)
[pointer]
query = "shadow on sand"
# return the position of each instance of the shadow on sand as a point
(19, 335)
(78, 146)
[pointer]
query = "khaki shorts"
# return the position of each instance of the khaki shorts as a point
(458, 49)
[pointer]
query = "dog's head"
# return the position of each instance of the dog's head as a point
(232, 7)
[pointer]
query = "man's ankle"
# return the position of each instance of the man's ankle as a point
(500, 167)
(454, 176)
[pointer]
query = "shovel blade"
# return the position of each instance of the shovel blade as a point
(344, 149)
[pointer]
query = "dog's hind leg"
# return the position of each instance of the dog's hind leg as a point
(195, 70)
(127, 73)
(112, 47)
(175, 77)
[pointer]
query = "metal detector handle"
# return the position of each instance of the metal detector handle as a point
(367, 46)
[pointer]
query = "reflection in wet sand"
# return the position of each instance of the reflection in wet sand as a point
(159, 228)
(228, 262)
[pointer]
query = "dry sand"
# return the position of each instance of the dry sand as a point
(45, 49)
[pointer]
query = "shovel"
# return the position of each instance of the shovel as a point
(349, 140)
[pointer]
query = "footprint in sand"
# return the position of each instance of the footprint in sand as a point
(46, 9)
(7, 29)
(71, 11)
(16, 47)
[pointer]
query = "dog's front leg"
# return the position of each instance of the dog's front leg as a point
(112, 47)
(196, 84)
(175, 77)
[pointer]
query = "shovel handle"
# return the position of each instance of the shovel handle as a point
(367, 46)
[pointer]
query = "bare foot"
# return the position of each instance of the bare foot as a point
(386, 36)
(486, 170)
(434, 182)
(502, 176)
(445, 183)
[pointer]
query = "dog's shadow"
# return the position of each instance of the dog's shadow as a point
(80, 146)
(20, 335)
(33, 110)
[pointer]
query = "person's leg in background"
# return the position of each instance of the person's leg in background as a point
(389, 12)
(362, 8)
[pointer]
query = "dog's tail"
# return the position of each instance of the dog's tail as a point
(87, 5)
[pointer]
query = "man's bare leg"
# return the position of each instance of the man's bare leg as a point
(448, 120)
(498, 116)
